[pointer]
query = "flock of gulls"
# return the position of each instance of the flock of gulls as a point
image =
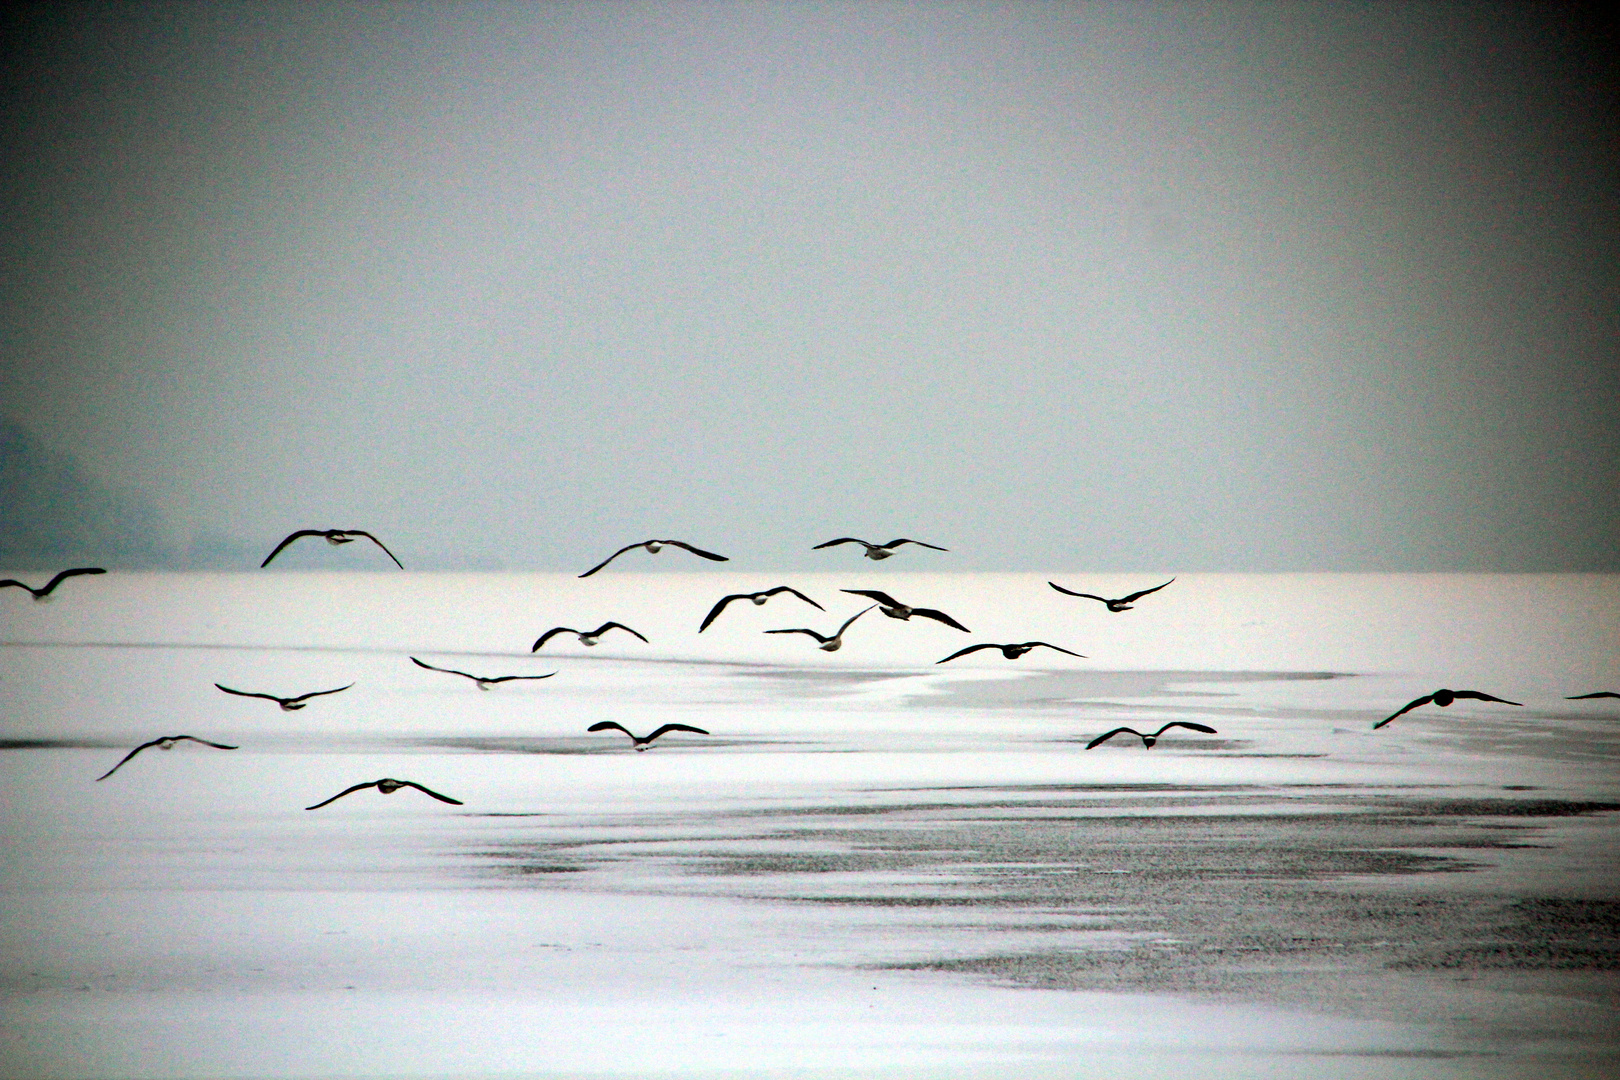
(881, 601)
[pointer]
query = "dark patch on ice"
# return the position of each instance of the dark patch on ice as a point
(1538, 934)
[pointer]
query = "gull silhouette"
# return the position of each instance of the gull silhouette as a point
(1596, 694)
(642, 743)
(585, 638)
(165, 743)
(1442, 698)
(653, 547)
(484, 682)
(828, 644)
(333, 537)
(757, 598)
(43, 593)
(1149, 740)
(876, 551)
(288, 704)
(386, 786)
(1011, 652)
(1122, 604)
(894, 609)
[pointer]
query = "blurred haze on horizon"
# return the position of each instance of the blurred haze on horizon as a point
(1138, 286)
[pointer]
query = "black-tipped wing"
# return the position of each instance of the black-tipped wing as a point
(802, 630)
(1408, 707)
(892, 544)
(1138, 595)
(939, 616)
(611, 557)
(549, 634)
(159, 742)
(673, 727)
(609, 725)
(1099, 740)
(345, 791)
(312, 693)
(247, 693)
(51, 585)
(1205, 728)
(430, 791)
(842, 540)
(605, 627)
(851, 619)
(299, 535)
(795, 592)
(964, 652)
(714, 612)
(446, 670)
(1071, 592)
(374, 540)
(1477, 696)
(1048, 645)
(699, 552)
(875, 594)
(1597, 694)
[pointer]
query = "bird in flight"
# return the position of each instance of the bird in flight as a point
(1149, 740)
(585, 638)
(653, 547)
(43, 593)
(894, 609)
(1122, 604)
(165, 743)
(333, 537)
(876, 551)
(1443, 698)
(288, 704)
(828, 644)
(642, 743)
(757, 598)
(387, 786)
(1597, 694)
(1011, 652)
(484, 682)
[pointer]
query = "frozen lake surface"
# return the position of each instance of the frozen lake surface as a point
(874, 865)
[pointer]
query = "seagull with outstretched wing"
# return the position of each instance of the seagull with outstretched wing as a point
(386, 786)
(1442, 698)
(1149, 739)
(653, 547)
(484, 682)
(876, 551)
(894, 609)
(167, 742)
(1011, 652)
(1122, 604)
(641, 743)
(827, 644)
(758, 598)
(288, 704)
(333, 537)
(586, 637)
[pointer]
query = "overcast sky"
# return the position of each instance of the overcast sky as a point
(1176, 287)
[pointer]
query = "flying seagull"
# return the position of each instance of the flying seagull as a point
(894, 609)
(757, 598)
(333, 537)
(876, 551)
(653, 547)
(1011, 652)
(1443, 698)
(43, 594)
(828, 644)
(288, 704)
(1600, 693)
(387, 786)
(165, 743)
(1149, 740)
(590, 638)
(1122, 604)
(640, 743)
(484, 683)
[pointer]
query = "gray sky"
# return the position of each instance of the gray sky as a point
(1055, 286)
